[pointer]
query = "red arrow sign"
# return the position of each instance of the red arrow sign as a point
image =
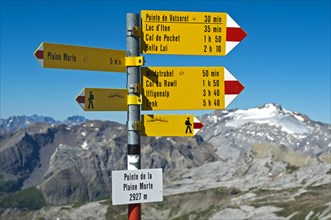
(232, 87)
(234, 34)
(39, 54)
(197, 125)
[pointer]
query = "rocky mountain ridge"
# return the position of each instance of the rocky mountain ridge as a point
(243, 153)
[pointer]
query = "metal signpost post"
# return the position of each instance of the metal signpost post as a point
(157, 88)
(133, 118)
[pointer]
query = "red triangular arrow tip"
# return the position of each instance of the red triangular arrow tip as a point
(39, 54)
(233, 87)
(235, 34)
(80, 99)
(197, 125)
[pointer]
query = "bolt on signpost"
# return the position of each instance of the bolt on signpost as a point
(157, 88)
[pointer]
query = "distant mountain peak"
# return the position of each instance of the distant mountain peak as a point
(265, 111)
(75, 120)
(270, 114)
(269, 123)
(22, 121)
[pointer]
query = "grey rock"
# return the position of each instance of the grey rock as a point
(261, 154)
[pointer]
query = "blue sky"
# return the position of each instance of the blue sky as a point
(285, 58)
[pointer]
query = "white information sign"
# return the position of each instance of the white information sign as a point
(137, 186)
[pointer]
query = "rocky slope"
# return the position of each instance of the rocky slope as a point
(74, 163)
(261, 163)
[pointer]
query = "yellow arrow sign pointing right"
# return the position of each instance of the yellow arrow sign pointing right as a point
(170, 125)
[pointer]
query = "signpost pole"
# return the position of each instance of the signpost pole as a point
(133, 79)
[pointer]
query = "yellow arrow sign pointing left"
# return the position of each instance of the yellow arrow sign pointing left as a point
(91, 99)
(81, 58)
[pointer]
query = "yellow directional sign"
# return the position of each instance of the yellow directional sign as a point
(91, 99)
(188, 88)
(192, 33)
(170, 125)
(82, 58)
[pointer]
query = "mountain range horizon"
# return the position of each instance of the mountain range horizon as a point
(79, 118)
(260, 163)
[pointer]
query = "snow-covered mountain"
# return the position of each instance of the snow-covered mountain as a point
(268, 124)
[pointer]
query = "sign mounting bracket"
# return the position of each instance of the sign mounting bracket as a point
(134, 100)
(134, 61)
